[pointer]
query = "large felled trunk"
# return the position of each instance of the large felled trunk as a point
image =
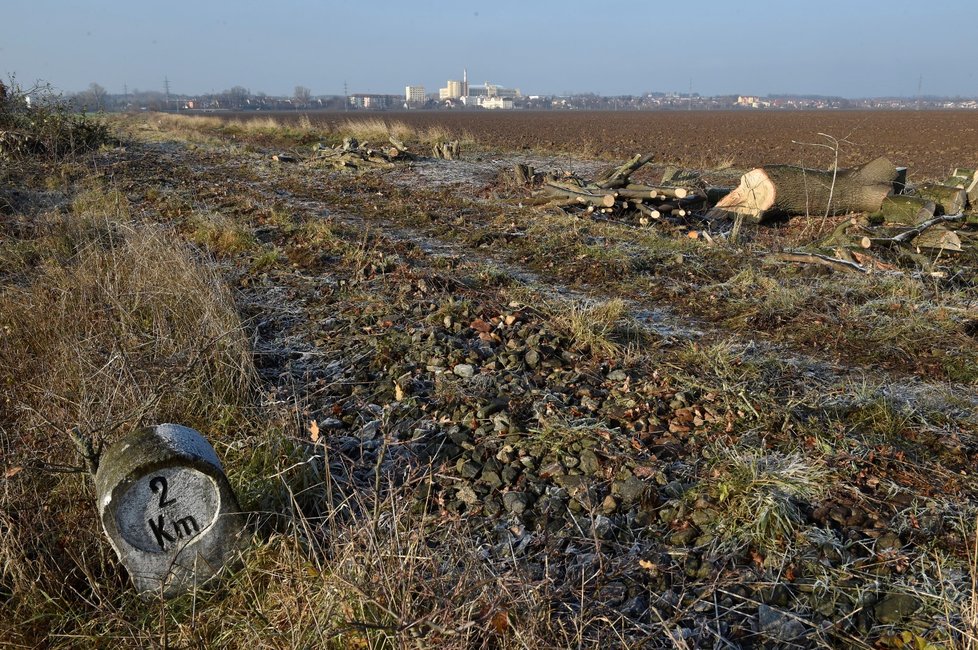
(787, 190)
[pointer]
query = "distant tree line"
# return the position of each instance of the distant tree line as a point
(95, 98)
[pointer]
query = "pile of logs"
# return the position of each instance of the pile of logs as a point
(891, 223)
(352, 155)
(613, 194)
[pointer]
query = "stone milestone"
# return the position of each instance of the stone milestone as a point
(168, 509)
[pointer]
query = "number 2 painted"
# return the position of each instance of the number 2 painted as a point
(158, 484)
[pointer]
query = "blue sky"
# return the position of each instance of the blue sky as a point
(854, 49)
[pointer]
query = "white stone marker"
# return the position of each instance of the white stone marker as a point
(168, 508)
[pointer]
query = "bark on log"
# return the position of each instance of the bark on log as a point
(653, 191)
(900, 182)
(618, 176)
(586, 198)
(908, 235)
(716, 194)
(908, 210)
(939, 238)
(960, 178)
(784, 189)
(949, 200)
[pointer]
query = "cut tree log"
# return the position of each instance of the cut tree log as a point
(654, 191)
(911, 234)
(949, 200)
(908, 210)
(648, 213)
(399, 150)
(969, 184)
(939, 238)
(900, 182)
(789, 190)
(598, 200)
(618, 176)
(960, 178)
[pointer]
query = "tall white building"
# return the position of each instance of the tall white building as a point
(414, 94)
(455, 89)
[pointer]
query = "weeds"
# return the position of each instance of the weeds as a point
(37, 122)
(118, 326)
(758, 496)
(220, 234)
(602, 328)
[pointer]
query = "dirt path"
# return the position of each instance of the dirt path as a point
(412, 344)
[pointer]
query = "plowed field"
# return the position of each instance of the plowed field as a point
(930, 143)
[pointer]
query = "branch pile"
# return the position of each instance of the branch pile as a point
(891, 224)
(17, 143)
(612, 194)
(352, 155)
(914, 229)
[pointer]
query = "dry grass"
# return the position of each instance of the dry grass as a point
(376, 130)
(602, 327)
(758, 496)
(220, 234)
(109, 326)
(180, 122)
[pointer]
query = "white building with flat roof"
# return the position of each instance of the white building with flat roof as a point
(414, 94)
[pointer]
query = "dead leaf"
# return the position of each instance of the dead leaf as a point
(641, 471)
(480, 325)
(500, 621)
(12, 472)
(314, 431)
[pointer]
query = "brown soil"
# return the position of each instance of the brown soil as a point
(930, 143)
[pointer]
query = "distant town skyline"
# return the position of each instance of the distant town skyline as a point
(848, 49)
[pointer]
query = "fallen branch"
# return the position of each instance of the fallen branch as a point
(906, 236)
(618, 176)
(833, 263)
(598, 200)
